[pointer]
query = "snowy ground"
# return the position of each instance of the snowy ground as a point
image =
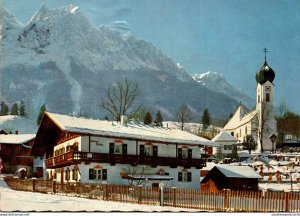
(11, 200)
(286, 187)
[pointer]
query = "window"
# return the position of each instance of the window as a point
(184, 153)
(67, 175)
(75, 174)
(98, 174)
(148, 150)
(246, 130)
(227, 147)
(184, 176)
(118, 148)
(268, 97)
(258, 99)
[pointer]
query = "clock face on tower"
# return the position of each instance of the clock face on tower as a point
(268, 88)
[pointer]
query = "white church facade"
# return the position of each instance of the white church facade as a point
(261, 122)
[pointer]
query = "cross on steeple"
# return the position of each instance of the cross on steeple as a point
(265, 51)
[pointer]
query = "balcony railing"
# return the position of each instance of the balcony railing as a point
(70, 158)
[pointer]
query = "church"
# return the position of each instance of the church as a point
(261, 122)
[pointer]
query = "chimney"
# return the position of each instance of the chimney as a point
(17, 132)
(124, 120)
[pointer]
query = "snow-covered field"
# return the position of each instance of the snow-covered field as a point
(11, 200)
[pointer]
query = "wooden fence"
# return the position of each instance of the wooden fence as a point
(231, 201)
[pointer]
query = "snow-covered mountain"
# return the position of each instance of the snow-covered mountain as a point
(60, 59)
(217, 82)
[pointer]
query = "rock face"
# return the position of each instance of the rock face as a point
(60, 59)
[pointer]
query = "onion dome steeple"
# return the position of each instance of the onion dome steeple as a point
(265, 73)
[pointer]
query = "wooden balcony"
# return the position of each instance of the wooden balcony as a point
(70, 158)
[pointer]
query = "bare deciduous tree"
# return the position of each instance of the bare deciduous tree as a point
(183, 115)
(261, 123)
(120, 98)
(135, 174)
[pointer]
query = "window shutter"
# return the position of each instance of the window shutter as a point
(111, 148)
(124, 149)
(189, 176)
(179, 176)
(155, 151)
(104, 174)
(179, 153)
(190, 153)
(91, 174)
(142, 150)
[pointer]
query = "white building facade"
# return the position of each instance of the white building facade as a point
(94, 151)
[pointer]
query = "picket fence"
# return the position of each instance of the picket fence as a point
(224, 201)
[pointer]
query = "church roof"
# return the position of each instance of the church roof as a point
(224, 137)
(265, 74)
(240, 118)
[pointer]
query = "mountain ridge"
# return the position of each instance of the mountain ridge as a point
(59, 59)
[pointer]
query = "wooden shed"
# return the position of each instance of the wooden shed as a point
(230, 177)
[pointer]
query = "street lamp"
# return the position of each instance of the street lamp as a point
(273, 138)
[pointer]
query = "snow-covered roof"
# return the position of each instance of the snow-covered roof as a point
(17, 123)
(224, 137)
(243, 154)
(240, 118)
(130, 130)
(237, 171)
(16, 138)
(209, 166)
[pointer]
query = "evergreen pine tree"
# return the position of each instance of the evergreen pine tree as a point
(14, 109)
(22, 109)
(206, 121)
(41, 113)
(4, 109)
(148, 118)
(158, 120)
(249, 143)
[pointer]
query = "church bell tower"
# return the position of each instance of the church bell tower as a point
(265, 107)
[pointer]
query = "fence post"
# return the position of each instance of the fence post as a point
(174, 196)
(54, 187)
(226, 199)
(139, 194)
(33, 185)
(286, 201)
(161, 187)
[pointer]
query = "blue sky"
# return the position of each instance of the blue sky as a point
(207, 35)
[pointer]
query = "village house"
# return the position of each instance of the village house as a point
(15, 153)
(230, 177)
(261, 122)
(99, 151)
(226, 142)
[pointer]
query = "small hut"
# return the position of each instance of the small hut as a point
(230, 177)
